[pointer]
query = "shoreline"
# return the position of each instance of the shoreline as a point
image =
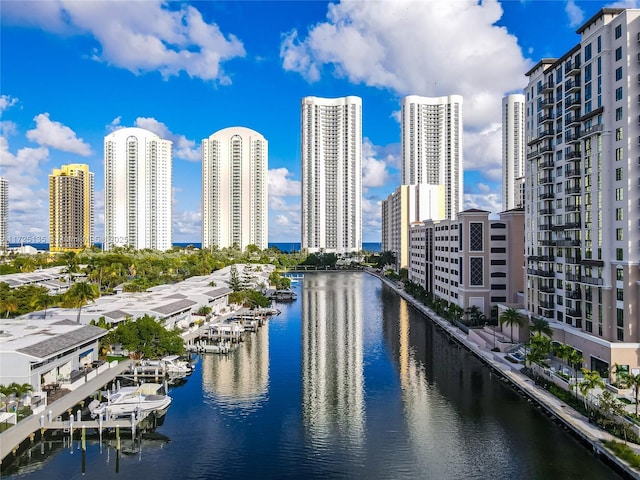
(574, 422)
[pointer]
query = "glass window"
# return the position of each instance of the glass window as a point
(618, 32)
(619, 151)
(587, 53)
(619, 195)
(618, 73)
(619, 214)
(475, 237)
(619, 254)
(619, 134)
(619, 234)
(618, 53)
(619, 93)
(618, 174)
(619, 113)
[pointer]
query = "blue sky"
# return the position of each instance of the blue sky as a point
(71, 72)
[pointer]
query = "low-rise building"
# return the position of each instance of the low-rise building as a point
(45, 352)
(472, 260)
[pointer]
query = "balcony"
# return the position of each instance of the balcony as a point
(573, 226)
(571, 120)
(572, 172)
(546, 211)
(572, 312)
(544, 119)
(547, 305)
(572, 260)
(573, 190)
(547, 104)
(572, 86)
(572, 103)
(572, 68)
(547, 243)
(549, 132)
(567, 242)
(545, 180)
(574, 294)
(547, 87)
(546, 195)
(545, 289)
(572, 208)
(547, 163)
(546, 226)
(591, 130)
(573, 154)
(572, 137)
(541, 272)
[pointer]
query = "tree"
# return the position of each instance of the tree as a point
(204, 310)
(474, 313)
(539, 348)
(9, 304)
(80, 294)
(539, 326)
(632, 381)
(511, 317)
(147, 338)
(574, 358)
(234, 279)
(42, 301)
(591, 379)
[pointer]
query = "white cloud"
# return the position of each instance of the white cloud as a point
(415, 48)
(115, 124)
(281, 184)
(491, 202)
(575, 14)
(183, 148)
(7, 101)
(374, 171)
(483, 152)
(28, 202)
(143, 36)
(8, 128)
(56, 135)
(187, 225)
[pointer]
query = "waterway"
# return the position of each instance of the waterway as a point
(349, 381)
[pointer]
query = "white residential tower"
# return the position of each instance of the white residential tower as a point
(513, 154)
(331, 150)
(234, 189)
(137, 190)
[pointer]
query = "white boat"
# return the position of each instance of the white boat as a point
(139, 400)
(171, 364)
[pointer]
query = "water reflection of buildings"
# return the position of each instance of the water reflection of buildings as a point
(241, 379)
(332, 350)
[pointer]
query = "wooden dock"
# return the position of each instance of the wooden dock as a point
(12, 438)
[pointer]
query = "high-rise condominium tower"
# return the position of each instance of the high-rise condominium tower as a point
(71, 217)
(137, 190)
(513, 155)
(432, 146)
(4, 213)
(582, 186)
(234, 189)
(331, 174)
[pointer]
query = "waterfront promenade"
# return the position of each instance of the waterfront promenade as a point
(570, 418)
(11, 439)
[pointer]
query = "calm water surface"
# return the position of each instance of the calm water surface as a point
(348, 382)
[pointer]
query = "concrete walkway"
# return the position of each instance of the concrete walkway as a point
(567, 415)
(10, 439)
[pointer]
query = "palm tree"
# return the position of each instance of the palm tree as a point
(511, 317)
(43, 301)
(591, 379)
(574, 358)
(474, 312)
(9, 304)
(80, 294)
(632, 381)
(539, 326)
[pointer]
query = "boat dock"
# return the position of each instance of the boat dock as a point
(12, 438)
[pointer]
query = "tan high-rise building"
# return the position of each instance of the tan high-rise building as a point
(71, 219)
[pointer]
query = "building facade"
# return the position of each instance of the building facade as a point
(432, 146)
(513, 151)
(406, 205)
(137, 190)
(470, 261)
(4, 213)
(331, 152)
(71, 208)
(582, 191)
(234, 189)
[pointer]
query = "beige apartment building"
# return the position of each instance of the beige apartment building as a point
(71, 216)
(472, 260)
(582, 187)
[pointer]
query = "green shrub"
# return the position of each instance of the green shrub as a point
(624, 452)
